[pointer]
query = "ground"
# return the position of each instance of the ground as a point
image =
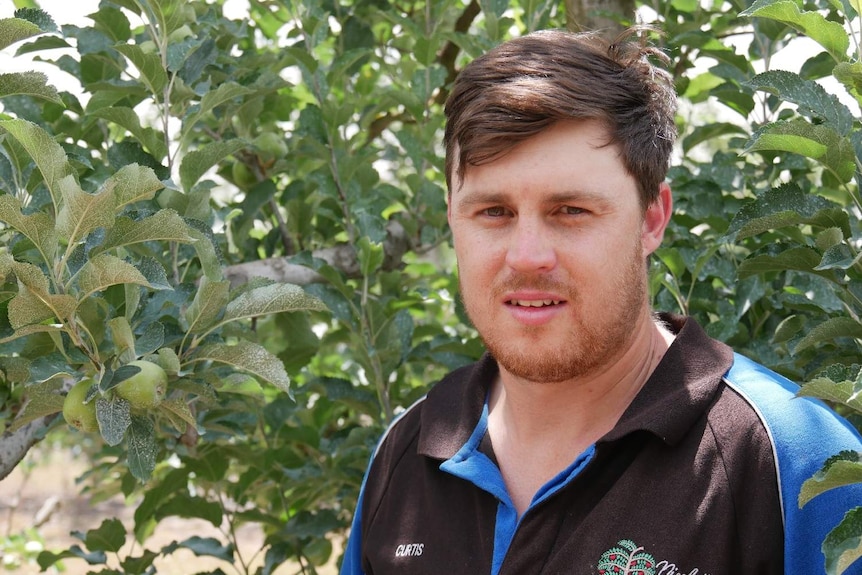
(49, 475)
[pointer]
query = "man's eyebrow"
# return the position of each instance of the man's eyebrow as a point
(496, 197)
(479, 197)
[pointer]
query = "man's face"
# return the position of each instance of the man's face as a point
(552, 244)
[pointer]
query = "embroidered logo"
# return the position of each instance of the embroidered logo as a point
(626, 558)
(629, 559)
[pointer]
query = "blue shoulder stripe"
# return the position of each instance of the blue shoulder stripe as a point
(804, 433)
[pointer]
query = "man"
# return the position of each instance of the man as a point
(594, 437)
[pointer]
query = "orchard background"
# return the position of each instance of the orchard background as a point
(256, 206)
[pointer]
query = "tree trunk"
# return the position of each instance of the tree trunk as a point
(603, 16)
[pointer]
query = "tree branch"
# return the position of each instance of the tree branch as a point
(451, 50)
(15, 445)
(342, 257)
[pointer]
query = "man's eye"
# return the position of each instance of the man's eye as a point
(573, 211)
(495, 212)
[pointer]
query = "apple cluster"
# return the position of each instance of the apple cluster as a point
(144, 391)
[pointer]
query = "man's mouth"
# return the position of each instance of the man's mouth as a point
(534, 302)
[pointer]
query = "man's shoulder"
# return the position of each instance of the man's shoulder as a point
(803, 434)
(446, 405)
(787, 416)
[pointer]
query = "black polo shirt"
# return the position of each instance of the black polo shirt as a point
(687, 482)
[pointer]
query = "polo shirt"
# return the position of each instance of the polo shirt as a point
(699, 476)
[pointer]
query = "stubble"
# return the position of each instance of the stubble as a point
(594, 338)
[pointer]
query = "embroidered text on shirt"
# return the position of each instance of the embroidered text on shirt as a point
(409, 550)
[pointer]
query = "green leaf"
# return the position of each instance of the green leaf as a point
(183, 505)
(38, 17)
(34, 303)
(112, 22)
(142, 448)
(828, 238)
(843, 545)
(114, 416)
(269, 299)
(785, 206)
(196, 163)
(82, 212)
(153, 74)
(151, 340)
(837, 474)
(109, 536)
(165, 225)
(45, 151)
(207, 254)
(788, 328)
(224, 93)
(31, 276)
(42, 399)
(169, 360)
(139, 564)
(38, 227)
(370, 256)
(28, 330)
(242, 384)
(132, 183)
(208, 306)
(839, 257)
(178, 413)
(830, 35)
(828, 331)
(42, 43)
(155, 274)
(16, 29)
(124, 339)
(203, 547)
(850, 75)
(250, 358)
(152, 140)
(47, 559)
(33, 84)
(105, 270)
(813, 100)
(819, 142)
(710, 132)
(799, 258)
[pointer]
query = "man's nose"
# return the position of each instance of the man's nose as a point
(531, 246)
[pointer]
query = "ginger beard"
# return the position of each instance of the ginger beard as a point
(590, 341)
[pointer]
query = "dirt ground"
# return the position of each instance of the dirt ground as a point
(52, 478)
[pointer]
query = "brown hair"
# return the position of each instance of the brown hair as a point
(523, 86)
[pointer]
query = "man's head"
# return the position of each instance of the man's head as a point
(525, 85)
(557, 149)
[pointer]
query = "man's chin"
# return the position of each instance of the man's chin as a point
(541, 369)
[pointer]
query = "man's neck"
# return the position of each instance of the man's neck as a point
(538, 429)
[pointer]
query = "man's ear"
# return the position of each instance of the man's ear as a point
(655, 220)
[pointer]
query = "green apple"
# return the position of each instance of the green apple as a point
(271, 144)
(146, 389)
(78, 414)
(242, 175)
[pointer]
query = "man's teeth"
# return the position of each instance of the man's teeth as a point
(535, 302)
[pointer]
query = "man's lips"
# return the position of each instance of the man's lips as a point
(533, 302)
